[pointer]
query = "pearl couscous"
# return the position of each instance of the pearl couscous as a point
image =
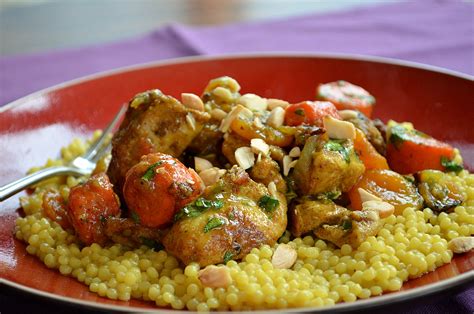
(407, 246)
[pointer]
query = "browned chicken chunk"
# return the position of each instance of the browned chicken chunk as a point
(334, 223)
(327, 166)
(154, 123)
(233, 216)
(267, 170)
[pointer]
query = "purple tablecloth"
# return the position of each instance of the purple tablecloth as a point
(439, 33)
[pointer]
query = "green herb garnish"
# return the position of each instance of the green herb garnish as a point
(337, 146)
(228, 256)
(300, 112)
(451, 165)
(152, 243)
(197, 208)
(268, 203)
(331, 195)
(397, 135)
(150, 172)
(135, 217)
(347, 224)
(213, 223)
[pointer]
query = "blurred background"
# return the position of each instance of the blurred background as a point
(28, 26)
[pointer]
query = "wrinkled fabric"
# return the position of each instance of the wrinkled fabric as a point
(438, 33)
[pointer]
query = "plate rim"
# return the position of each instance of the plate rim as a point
(218, 57)
(390, 298)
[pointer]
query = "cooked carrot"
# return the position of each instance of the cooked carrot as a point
(310, 112)
(390, 187)
(367, 153)
(55, 208)
(90, 204)
(410, 151)
(157, 187)
(345, 95)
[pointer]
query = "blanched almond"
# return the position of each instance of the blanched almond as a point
(338, 129)
(384, 209)
(367, 196)
(273, 103)
(258, 123)
(461, 244)
(287, 164)
(191, 121)
(348, 114)
(259, 146)
(244, 157)
(295, 152)
(215, 277)
(272, 189)
(192, 101)
(218, 114)
(201, 164)
(211, 175)
(233, 114)
(253, 102)
(223, 93)
(276, 117)
(284, 256)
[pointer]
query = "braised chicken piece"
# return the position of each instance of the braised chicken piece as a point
(267, 170)
(327, 166)
(208, 142)
(233, 216)
(153, 123)
(232, 141)
(129, 232)
(334, 223)
(368, 127)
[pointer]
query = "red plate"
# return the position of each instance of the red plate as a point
(34, 128)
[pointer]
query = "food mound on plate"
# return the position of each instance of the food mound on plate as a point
(231, 201)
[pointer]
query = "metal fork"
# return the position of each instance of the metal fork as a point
(80, 166)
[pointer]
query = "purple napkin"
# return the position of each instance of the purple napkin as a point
(434, 32)
(439, 33)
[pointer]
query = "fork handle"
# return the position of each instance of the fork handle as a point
(14, 187)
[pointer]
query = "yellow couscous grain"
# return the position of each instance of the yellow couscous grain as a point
(408, 246)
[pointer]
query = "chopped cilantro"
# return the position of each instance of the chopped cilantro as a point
(213, 223)
(152, 243)
(397, 135)
(268, 203)
(299, 112)
(337, 146)
(135, 217)
(228, 256)
(451, 165)
(197, 208)
(150, 172)
(346, 224)
(331, 195)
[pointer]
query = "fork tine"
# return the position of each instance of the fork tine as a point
(95, 147)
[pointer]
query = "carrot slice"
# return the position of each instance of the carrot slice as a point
(310, 112)
(410, 151)
(345, 95)
(367, 153)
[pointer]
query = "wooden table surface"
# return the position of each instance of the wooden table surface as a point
(28, 26)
